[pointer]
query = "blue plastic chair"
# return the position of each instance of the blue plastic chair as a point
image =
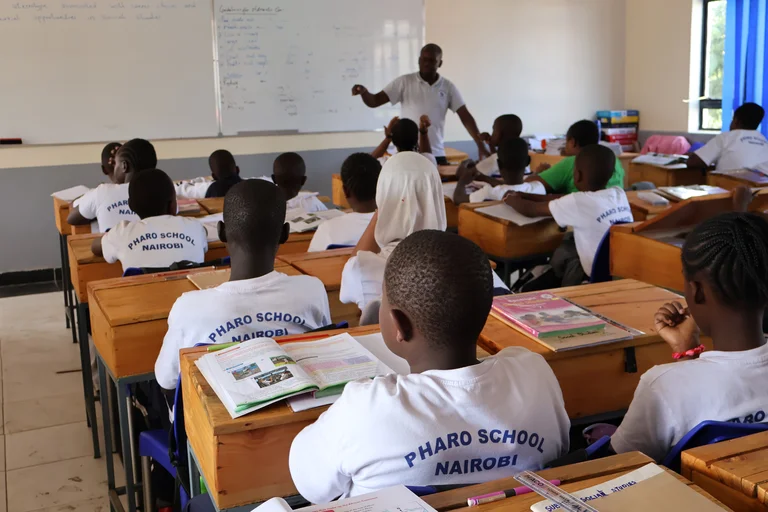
(338, 246)
(710, 432)
(132, 271)
(601, 265)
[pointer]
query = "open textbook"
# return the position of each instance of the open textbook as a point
(301, 221)
(253, 374)
(398, 498)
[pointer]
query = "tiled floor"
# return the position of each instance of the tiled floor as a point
(46, 455)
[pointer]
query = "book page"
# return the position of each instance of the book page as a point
(211, 225)
(336, 360)
(504, 211)
(70, 194)
(300, 221)
(391, 499)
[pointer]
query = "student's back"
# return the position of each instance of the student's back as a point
(359, 174)
(742, 146)
(108, 203)
(257, 301)
(159, 238)
(452, 420)
(225, 174)
(725, 263)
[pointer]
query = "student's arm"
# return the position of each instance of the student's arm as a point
(676, 326)
(75, 218)
(695, 162)
(424, 124)
(84, 209)
(465, 174)
(547, 186)
(528, 207)
(96, 247)
(381, 149)
(706, 155)
(556, 177)
(469, 123)
(367, 242)
(167, 363)
(370, 100)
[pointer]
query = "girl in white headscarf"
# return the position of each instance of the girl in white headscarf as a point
(409, 197)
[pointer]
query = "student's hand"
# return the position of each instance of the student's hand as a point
(486, 137)
(542, 167)
(358, 89)
(742, 198)
(388, 129)
(515, 200)
(466, 172)
(424, 123)
(677, 327)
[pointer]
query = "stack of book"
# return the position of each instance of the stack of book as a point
(619, 126)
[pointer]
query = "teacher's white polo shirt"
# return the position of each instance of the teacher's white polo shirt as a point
(419, 98)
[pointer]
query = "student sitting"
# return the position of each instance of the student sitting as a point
(225, 174)
(359, 174)
(160, 238)
(741, 147)
(257, 301)
(406, 136)
(507, 126)
(558, 179)
(725, 262)
(289, 173)
(409, 196)
(453, 420)
(512, 157)
(108, 203)
(590, 212)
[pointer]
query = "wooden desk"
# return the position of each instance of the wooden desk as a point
(454, 156)
(664, 177)
(327, 266)
(650, 251)
(505, 240)
(735, 472)
(733, 179)
(574, 477)
(226, 448)
(585, 374)
(642, 210)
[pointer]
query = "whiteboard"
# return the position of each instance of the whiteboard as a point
(289, 65)
(97, 70)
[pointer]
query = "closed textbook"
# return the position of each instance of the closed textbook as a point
(546, 315)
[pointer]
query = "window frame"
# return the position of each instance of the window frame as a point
(706, 103)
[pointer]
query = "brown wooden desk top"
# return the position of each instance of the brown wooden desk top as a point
(735, 472)
(325, 265)
(574, 477)
(455, 156)
(732, 179)
(643, 210)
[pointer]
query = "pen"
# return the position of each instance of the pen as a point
(500, 495)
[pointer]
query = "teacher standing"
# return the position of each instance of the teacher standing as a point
(426, 92)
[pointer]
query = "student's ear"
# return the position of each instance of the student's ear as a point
(528, 161)
(105, 170)
(699, 295)
(577, 175)
(303, 181)
(237, 171)
(173, 207)
(285, 233)
(221, 231)
(403, 325)
(346, 191)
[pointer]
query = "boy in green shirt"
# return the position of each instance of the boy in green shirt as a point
(558, 179)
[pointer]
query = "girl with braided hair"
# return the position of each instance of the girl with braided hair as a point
(725, 262)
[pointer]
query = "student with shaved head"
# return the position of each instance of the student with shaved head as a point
(289, 173)
(225, 174)
(257, 301)
(426, 92)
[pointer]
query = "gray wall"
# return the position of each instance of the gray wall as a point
(27, 229)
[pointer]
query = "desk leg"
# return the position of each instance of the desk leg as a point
(85, 363)
(66, 279)
(194, 473)
(63, 256)
(122, 407)
(106, 420)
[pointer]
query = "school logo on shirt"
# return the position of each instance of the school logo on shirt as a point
(518, 438)
(615, 211)
(179, 239)
(222, 331)
(122, 207)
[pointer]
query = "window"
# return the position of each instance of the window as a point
(712, 57)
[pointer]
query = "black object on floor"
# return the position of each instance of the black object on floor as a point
(17, 290)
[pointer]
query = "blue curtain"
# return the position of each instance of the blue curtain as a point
(745, 70)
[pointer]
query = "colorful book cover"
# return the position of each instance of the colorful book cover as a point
(545, 315)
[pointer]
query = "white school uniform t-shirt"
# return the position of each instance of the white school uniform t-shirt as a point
(419, 98)
(673, 398)
(439, 427)
(735, 149)
(108, 204)
(155, 242)
(194, 189)
(307, 201)
(271, 305)
(591, 214)
(428, 156)
(344, 230)
(489, 193)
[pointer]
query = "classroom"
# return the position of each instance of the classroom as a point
(418, 255)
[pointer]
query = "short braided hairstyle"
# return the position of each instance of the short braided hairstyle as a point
(732, 250)
(139, 154)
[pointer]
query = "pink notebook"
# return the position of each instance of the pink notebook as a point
(545, 315)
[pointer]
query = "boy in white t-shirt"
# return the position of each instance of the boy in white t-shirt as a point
(108, 203)
(513, 159)
(160, 238)
(452, 420)
(257, 301)
(591, 212)
(405, 135)
(741, 147)
(225, 174)
(289, 173)
(359, 174)
(725, 263)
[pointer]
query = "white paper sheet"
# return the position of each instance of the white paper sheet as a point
(397, 498)
(504, 211)
(70, 194)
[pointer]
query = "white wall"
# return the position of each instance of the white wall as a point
(658, 60)
(549, 61)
